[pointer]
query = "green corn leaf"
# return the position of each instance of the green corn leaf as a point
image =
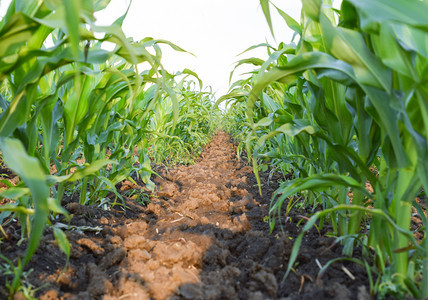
(147, 42)
(111, 185)
(15, 34)
(377, 213)
(253, 60)
(294, 254)
(190, 72)
(293, 24)
(288, 129)
(314, 182)
(269, 104)
(264, 45)
(350, 47)
(14, 192)
(392, 56)
(72, 17)
(62, 240)
(146, 172)
(413, 38)
(384, 11)
(231, 95)
(273, 59)
(100, 4)
(63, 243)
(312, 8)
(27, 7)
(91, 169)
(387, 119)
(55, 207)
(263, 122)
(17, 209)
(266, 11)
(9, 13)
(29, 169)
(119, 21)
(50, 113)
(127, 50)
(175, 106)
(287, 74)
(77, 105)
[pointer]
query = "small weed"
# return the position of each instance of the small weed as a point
(389, 287)
(25, 288)
(139, 196)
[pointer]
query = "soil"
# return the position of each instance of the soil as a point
(204, 235)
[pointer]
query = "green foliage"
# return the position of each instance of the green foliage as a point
(75, 116)
(181, 141)
(26, 289)
(338, 105)
(338, 109)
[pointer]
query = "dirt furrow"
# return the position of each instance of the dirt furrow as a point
(206, 239)
(203, 235)
(196, 208)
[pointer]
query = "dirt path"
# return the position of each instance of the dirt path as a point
(202, 236)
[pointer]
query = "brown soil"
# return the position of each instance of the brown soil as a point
(203, 236)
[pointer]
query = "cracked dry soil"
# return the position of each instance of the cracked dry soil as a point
(202, 236)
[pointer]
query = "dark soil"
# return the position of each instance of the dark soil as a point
(204, 235)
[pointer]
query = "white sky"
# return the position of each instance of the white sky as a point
(214, 30)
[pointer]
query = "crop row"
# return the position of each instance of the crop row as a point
(345, 107)
(76, 118)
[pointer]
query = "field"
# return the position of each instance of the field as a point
(307, 180)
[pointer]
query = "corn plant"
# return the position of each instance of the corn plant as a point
(181, 141)
(69, 108)
(345, 104)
